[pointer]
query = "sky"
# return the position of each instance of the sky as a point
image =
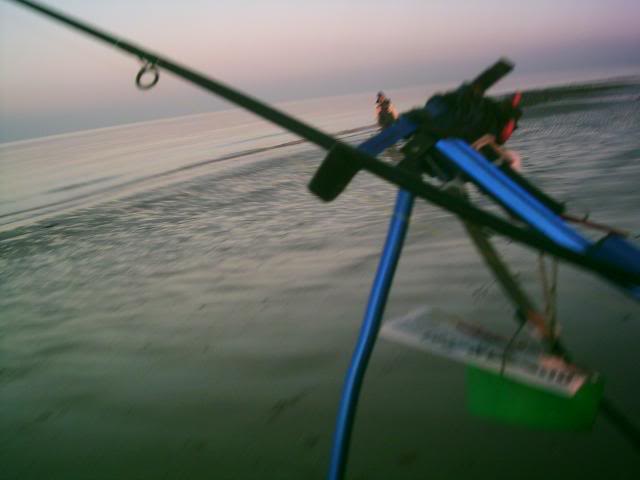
(55, 80)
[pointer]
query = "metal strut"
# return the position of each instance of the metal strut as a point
(369, 332)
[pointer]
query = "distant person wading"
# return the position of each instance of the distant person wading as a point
(385, 112)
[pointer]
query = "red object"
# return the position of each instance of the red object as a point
(510, 126)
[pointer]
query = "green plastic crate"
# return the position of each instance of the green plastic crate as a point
(494, 396)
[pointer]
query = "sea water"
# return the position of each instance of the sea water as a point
(174, 303)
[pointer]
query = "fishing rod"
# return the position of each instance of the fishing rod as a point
(361, 160)
(398, 176)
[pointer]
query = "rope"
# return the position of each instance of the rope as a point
(549, 291)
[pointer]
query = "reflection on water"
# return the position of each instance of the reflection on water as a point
(199, 326)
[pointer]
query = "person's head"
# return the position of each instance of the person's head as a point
(381, 98)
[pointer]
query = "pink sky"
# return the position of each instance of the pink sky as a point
(289, 49)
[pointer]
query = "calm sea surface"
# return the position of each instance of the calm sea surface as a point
(174, 303)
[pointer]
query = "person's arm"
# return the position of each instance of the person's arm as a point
(510, 157)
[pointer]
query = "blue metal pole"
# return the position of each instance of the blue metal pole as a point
(369, 332)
